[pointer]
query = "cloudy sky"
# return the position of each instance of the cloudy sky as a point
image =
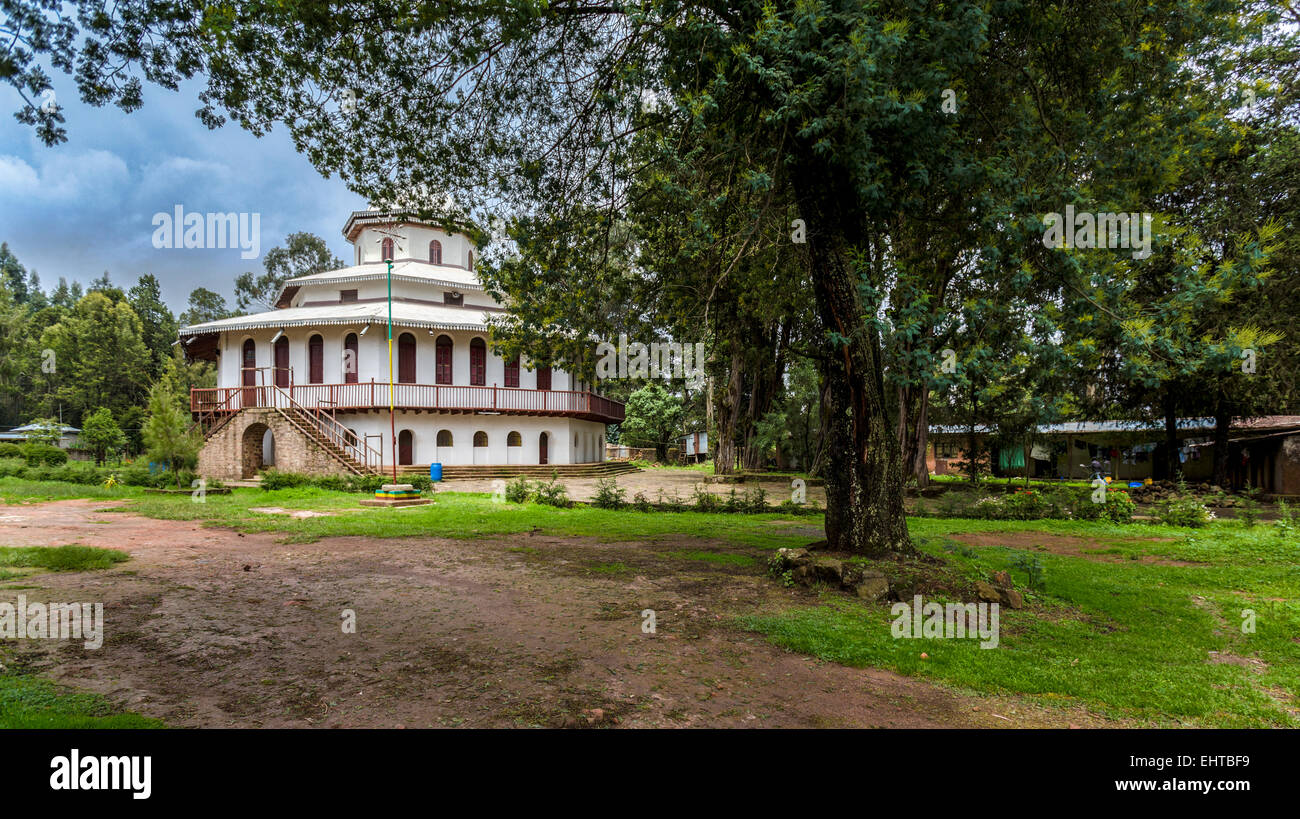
(88, 205)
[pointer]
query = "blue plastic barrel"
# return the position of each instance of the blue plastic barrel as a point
(435, 472)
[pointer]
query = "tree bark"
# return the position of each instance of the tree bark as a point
(864, 488)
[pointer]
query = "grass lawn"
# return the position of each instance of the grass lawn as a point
(463, 515)
(1140, 622)
(1126, 637)
(27, 701)
(19, 490)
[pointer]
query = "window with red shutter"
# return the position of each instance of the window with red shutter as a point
(512, 372)
(478, 363)
(442, 364)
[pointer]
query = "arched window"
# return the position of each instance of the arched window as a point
(405, 448)
(316, 360)
(471, 260)
(435, 252)
(543, 378)
(477, 363)
(351, 359)
(248, 372)
(480, 438)
(386, 250)
(282, 362)
(444, 437)
(514, 439)
(406, 359)
(512, 372)
(442, 361)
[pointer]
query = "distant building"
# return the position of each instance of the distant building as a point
(69, 439)
(1262, 452)
(694, 447)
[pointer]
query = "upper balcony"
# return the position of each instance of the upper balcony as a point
(373, 396)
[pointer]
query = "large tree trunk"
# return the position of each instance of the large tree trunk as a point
(864, 488)
(724, 451)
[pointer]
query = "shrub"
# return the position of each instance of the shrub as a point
(365, 483)
(275, 479)
(518, 490)
(706, 501)
(38, 454)
(1285, 519)
(1248, 511)
(334, 483)
(671, 503)
(135, 475)
(641, 503)
(1186, 511)
(421, 482)
(756, 501)
(8, 450)
(552, 494)
(609, 495)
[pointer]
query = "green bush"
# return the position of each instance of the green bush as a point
(518, 490)
(421, 482)
(8, 450)
(552, 494)
(756, 501)
(609, 495)
(706, 501)
(38, 454)
(275, 479)
(641, 503)
(1187, 511)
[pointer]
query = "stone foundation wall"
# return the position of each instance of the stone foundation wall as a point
(236, 450)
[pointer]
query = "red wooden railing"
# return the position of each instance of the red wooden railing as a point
(374, 395)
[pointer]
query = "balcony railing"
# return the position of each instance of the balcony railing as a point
(373, 395)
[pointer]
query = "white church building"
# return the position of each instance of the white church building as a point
(305, 387)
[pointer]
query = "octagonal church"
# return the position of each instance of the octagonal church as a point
(306, 387)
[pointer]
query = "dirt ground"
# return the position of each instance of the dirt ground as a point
(207, 627)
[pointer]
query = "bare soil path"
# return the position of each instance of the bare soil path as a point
(207, 627)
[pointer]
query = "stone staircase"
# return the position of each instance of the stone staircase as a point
(303, 423)
(540, 471)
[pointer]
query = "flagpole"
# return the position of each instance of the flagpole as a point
(392, 418)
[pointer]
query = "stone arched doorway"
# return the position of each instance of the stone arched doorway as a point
(251, 454)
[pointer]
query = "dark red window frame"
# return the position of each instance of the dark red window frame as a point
(543, 378)
(442, 360)
(512, 372)
(478, 363)
(316, 360)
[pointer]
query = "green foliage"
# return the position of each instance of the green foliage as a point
(518, 490)
(302, 255)
(609, 495)
(654, 416)
(551, 494)
(71, 558)
(168, 433)
(101, 434)
(38, 454)
(8, 450)
(1185, 511)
